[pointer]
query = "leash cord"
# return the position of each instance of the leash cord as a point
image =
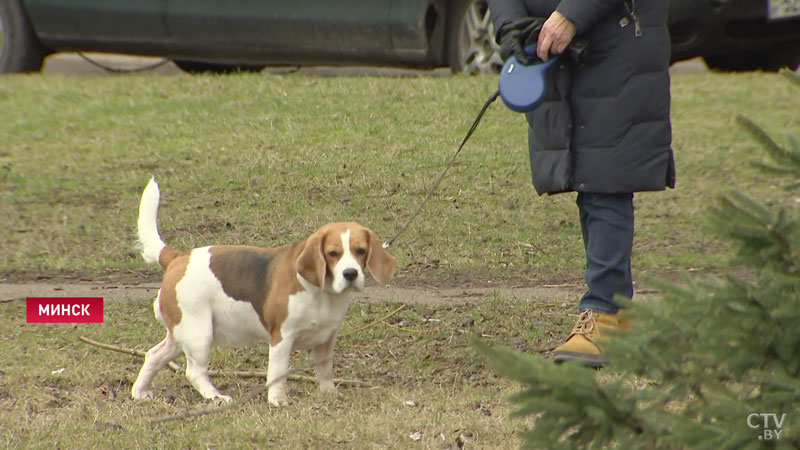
(475, 123)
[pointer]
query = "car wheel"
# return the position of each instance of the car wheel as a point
(20, 50)
(470, 38)
(769, 60)
(219, 68)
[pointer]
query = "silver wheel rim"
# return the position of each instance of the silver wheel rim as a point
(478, 52)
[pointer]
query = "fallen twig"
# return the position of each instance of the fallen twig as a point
(253, 394)
(292, 377)
(407, 330)
(219, 373)
(202, 412)
(374, 322)
(112, 347)
(127, 351)
(242, 374)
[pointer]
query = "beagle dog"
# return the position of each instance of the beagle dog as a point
(294, 296)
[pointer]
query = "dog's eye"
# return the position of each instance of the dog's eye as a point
(361, 251)
(333, 254)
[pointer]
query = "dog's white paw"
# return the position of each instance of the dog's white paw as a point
(279, 401)
(221, 400)
(141, 394)
(327, 387)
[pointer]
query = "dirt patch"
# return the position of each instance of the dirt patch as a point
(415, 286)
(73, 288)
(408, 286)
(115, 291)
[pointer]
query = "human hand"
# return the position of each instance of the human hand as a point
(516, 35)
(556, 33)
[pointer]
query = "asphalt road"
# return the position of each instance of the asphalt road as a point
(74, 64)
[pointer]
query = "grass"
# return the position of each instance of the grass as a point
(266, 159)
(57, 392)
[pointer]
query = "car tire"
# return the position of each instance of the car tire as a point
(769, 61)
(196, 67)
(471, 47)
(20, 50)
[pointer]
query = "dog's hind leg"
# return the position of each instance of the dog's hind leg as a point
(156, 359)
(196, 345)
(197, 374)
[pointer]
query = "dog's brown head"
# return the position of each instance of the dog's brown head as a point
(338, 252)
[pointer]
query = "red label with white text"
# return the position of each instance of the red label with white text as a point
(65, 309)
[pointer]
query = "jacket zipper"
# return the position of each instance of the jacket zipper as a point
(630, 5)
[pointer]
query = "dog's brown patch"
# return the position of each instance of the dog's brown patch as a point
(167, 255)
(168, 296)
(284, 284)
(245, 273)
(265, 278)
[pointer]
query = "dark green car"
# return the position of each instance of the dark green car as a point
(220, 36)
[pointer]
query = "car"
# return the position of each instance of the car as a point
(737, 35)
(210, 35)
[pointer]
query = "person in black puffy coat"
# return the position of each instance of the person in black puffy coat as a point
(603, 130)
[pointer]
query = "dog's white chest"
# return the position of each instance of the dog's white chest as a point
(314, 318)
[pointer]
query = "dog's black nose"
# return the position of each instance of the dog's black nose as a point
(350, 274)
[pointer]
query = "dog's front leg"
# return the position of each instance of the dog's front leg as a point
(323, 365)
(278, 371)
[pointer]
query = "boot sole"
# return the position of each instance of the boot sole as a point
(595, 361)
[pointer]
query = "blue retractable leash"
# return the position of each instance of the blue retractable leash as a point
(521, 87)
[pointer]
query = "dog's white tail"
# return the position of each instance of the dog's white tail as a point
(149, 239)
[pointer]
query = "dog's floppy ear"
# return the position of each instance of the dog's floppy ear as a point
(311, 262)
(381, 264)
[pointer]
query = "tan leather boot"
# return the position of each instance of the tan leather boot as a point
(581, 345)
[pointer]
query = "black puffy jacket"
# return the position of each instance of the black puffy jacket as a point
(604, 125)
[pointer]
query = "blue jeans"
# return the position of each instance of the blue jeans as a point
(607, 226)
